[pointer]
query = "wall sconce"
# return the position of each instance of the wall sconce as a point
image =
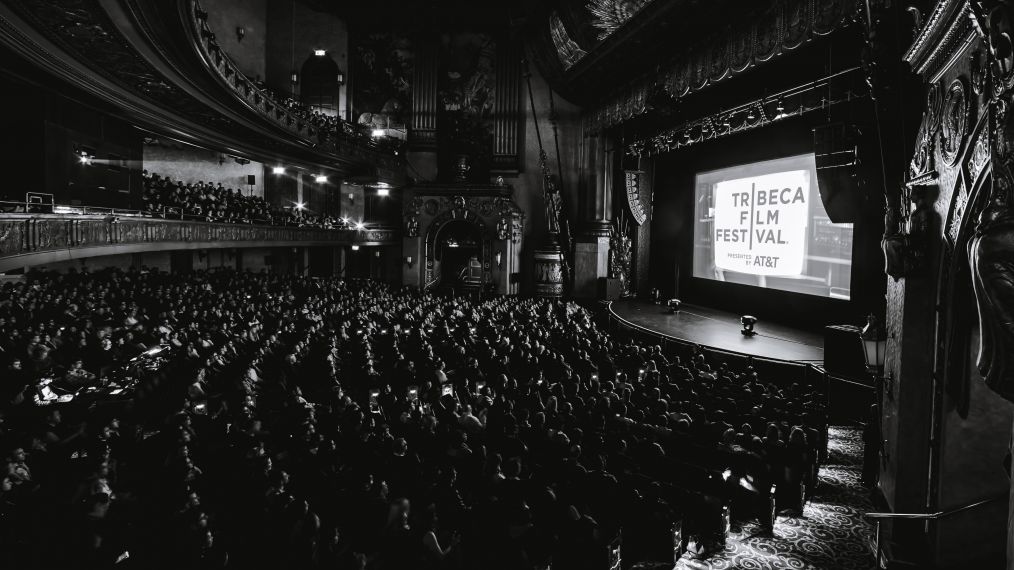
(748, 323)
(408, 261)
(240, 33)
(499, 259)
(294, 77)
(352, 198)
(341, 77)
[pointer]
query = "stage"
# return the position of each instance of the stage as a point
(720, 330)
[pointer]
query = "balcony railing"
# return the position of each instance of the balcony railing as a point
(48, 237)
(347, 141)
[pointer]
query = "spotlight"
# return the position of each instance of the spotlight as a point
(320, 179)
(278, 170)
(84, 159)
(674, 305)
(748, 322)
(780, 108)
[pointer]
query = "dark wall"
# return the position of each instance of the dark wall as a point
(673, 227)
(41, 140)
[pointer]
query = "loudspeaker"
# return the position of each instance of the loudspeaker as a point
(836, 150)
(843, 351)
(251, 179)
(609, 288)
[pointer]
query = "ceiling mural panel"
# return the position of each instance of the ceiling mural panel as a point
(608, 16)
(566, 48)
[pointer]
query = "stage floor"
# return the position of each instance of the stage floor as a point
(721, 330)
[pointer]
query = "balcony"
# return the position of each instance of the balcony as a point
(30, 238)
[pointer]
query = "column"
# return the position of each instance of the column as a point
(591, 252)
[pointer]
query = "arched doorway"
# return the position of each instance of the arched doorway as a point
(321, 90)
(457, 255)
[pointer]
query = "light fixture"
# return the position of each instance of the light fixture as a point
(377, 133)
(780, 109)
(499, 259)
(300, 206)
(874, 337)
(278, 170)
(360, 226)
(341, 77)
(320, 179)
(294, 77)
(84, 159)
(408, 261)
(240, 33)
(376, 253)
(355, 248)
(383, 192)
(674, 305)
(319, 52)
(352, 198)
(748, 323)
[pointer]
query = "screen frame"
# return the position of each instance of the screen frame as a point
(705, 254)
(671, 268)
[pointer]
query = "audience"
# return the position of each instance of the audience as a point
(296, 422)
(166, 198)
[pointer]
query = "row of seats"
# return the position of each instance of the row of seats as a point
(317, 423)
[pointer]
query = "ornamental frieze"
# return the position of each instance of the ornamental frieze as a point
(24, 233)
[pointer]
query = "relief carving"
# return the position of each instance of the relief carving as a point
(991, 247)
(954, 122)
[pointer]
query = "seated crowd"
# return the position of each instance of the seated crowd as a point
(320, 423)
(167, 198)
(330, 125)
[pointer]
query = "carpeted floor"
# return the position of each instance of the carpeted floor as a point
(831, 535)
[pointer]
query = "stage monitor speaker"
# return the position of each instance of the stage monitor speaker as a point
(251, 179)
(843, 351)
(609, 288)
(836, 150)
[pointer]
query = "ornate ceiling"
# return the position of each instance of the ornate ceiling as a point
(135, 56)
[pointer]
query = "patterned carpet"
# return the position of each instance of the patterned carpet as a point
(832, 534)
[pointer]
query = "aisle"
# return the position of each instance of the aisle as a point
(832, 534)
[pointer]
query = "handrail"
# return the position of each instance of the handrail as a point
(936, 515)
(266, 104)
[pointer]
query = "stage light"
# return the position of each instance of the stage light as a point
(674, 305)
(320, 179)
(383, 192)
(300, 206)
(319, 52)
(360, 225)
(748, 323)
(278, 170)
